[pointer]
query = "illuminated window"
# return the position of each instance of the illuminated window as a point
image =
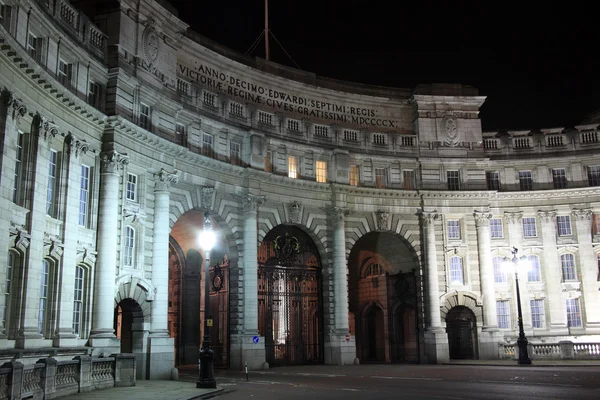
(354, 180)
(129, 246)
(503, 313)
(538, 315)
(456, 270)
(534, 274)
(43, 305)
(496, 228)
(292, 167)
(567, 262)
(380, 178)
(373, 270)
(573, 313)
(321, 171)
(499, 272)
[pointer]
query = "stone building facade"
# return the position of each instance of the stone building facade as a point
(354, 222)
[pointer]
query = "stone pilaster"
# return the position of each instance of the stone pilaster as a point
(161, 358)
(588, 270)
(515, 228)
(102, 333)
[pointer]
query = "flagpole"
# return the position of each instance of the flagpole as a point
(267, 53)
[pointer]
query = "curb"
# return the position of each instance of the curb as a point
(208, 395)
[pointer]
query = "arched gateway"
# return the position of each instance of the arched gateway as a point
(289, 298)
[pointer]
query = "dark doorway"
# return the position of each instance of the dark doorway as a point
(375, 334)
(405, 345)
(461, 327)
(128, 325)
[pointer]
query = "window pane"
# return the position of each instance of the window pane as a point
(564, 225)
(525, 180)
(559, 178)
(503, 313)
(84, 192)
(529, 228)
(453, 180)
(573, 313)
(567, 262)
(354, 175)
(409, 180)
(456, 270)
(131, 187)
(380, 178)
(537, 313)
(534, 273)
(493, 180)
(453, 229)
(499, 273)
(321, 171)
(496, 228)
(53, 158)
(292, 167)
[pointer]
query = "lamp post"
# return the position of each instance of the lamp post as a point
(522, 341)
(206, 377)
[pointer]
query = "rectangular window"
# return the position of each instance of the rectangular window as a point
(563, 223)
(453, 178)
(131, 192)
(207, 145)
(292, 167)
(573, 313)
(594, 175)
(354, 177)
(84, 195)
(529, 229)
(453, 229)
(499, 271)
(44, 278)
(567, 262)
(534, 274)
(410, 181)
(268, 162)
(380, 178)
(456, 271)
(537, 313)
(234, 153)
(596, 224)
(525, 180)
(129, 246)
(559, 178)
(321, 171)
(18, 169)
(78, 300)
(503, 313)
(52, 175)
(492, 179)
(65, 73)
(180, 135)
(5, 17)
(32, 47)
(496, 231)
(94, 95)
(145, 116)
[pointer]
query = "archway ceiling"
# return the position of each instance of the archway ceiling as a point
(387, 245)
(187, 228)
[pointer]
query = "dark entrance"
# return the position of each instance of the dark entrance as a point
(375, 334)
(462, 330)
(219, 311)
(289, 298)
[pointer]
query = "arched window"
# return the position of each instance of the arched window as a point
(78, 299)
(456, 270)
(373, 270)
(499, 272)
(568, 267)
(129, 246)
(534, 274)
(44, 295)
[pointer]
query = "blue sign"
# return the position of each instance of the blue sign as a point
(255, 339)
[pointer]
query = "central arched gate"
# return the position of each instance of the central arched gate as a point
(289, 298)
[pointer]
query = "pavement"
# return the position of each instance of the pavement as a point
(185, 388)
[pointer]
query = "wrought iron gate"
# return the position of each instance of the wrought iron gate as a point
(290, 302)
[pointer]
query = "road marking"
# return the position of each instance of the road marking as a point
(323, 375)
(529, 383)
(351, 390)
(406, 378)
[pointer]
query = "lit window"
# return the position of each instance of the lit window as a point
(534, 274)
(84, 195)
(596, 224)
(496, 228)
(453, 180)
(567, 262)
(131, 192)
(503, 313)
(456, 270)
(207, 145)
(573, 313)
(492, 179)
(538, 315)
(52, 171)
(563, 223)
(529, 229)
(373, 270)
(594, 175)
(292, 167)
(78, 300)
(145, 116)
(129, 246)
(321, 171)
(380, 178)
(453, 229)
(499, 271)
(234, 153)
(268, 163)
(409, 178)
(525, 180)
(354, 180)
(18, 169)
(43, 306)
(559, 178)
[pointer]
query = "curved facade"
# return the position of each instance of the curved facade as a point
(353, 221)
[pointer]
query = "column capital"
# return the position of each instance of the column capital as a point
(513, 216)
(75, 146)
(429, 217)
(14, 107)
(251, 202)
(338, 214)
(547, 216)
(482, 218)
(112, 161)
(164, 179)
(582, 214)
(44, 128)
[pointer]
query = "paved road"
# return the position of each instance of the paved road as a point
(411, 382)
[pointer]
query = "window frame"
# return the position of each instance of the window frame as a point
(568, 269)
(129, 246)
(84, 195)
(44, 300)
(538, 310)
(492, 180)
(500, 275)
(52, 185)
(559, 181)
(532, 227)
(453, 179)
(235, 153)
(456, 270)
(409, 179)
(593, 172)
(292, 162)
(381, 178)
(525, 180)
(78, 300)
(453, 229)
(563, 225)
(574, 313)
(354, 175)
(503, 314)
(131, 187)
(496, 228)
(321, 171)
(145, 116)
(534, 274)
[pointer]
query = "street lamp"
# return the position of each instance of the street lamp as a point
(522, 341)
(206, 376)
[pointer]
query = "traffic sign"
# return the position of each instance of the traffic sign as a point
(255, 339)
(347, 337)
(209, 322)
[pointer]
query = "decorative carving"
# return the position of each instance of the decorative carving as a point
(218, 276)
(75, 146)
(450, 129)
(286, 249)
(206, 197)
(163, 179)
(150, 42)
(252, 202)
(482, 218)
(547, 216)
(295, 209)
(44, 128)
(86, 256)
(582, 214)
(14, 107)
(134, 216)
(383, 221)
(337, 213)
(429, 217)
(19, 238)
(55, 247)
(112, 161)
(513, 217)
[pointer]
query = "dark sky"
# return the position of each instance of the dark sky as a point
(538, 66)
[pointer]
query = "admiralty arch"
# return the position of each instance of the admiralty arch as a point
(354, 223)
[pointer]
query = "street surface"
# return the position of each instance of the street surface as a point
(409, 382)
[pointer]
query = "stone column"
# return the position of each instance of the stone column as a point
(588, 268)
(436, 340)
(102, 333)
(490, 335)
(160, 345)
(551, 274)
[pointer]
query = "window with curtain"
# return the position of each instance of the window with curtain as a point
(129, 246)
(456, 270)
(534, 274)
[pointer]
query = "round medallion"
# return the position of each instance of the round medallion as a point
(150, 43)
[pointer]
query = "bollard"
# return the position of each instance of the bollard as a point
(246, 367)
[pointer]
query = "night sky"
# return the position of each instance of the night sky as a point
(538, 67)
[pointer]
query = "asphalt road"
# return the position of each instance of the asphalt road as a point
(410, 382)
